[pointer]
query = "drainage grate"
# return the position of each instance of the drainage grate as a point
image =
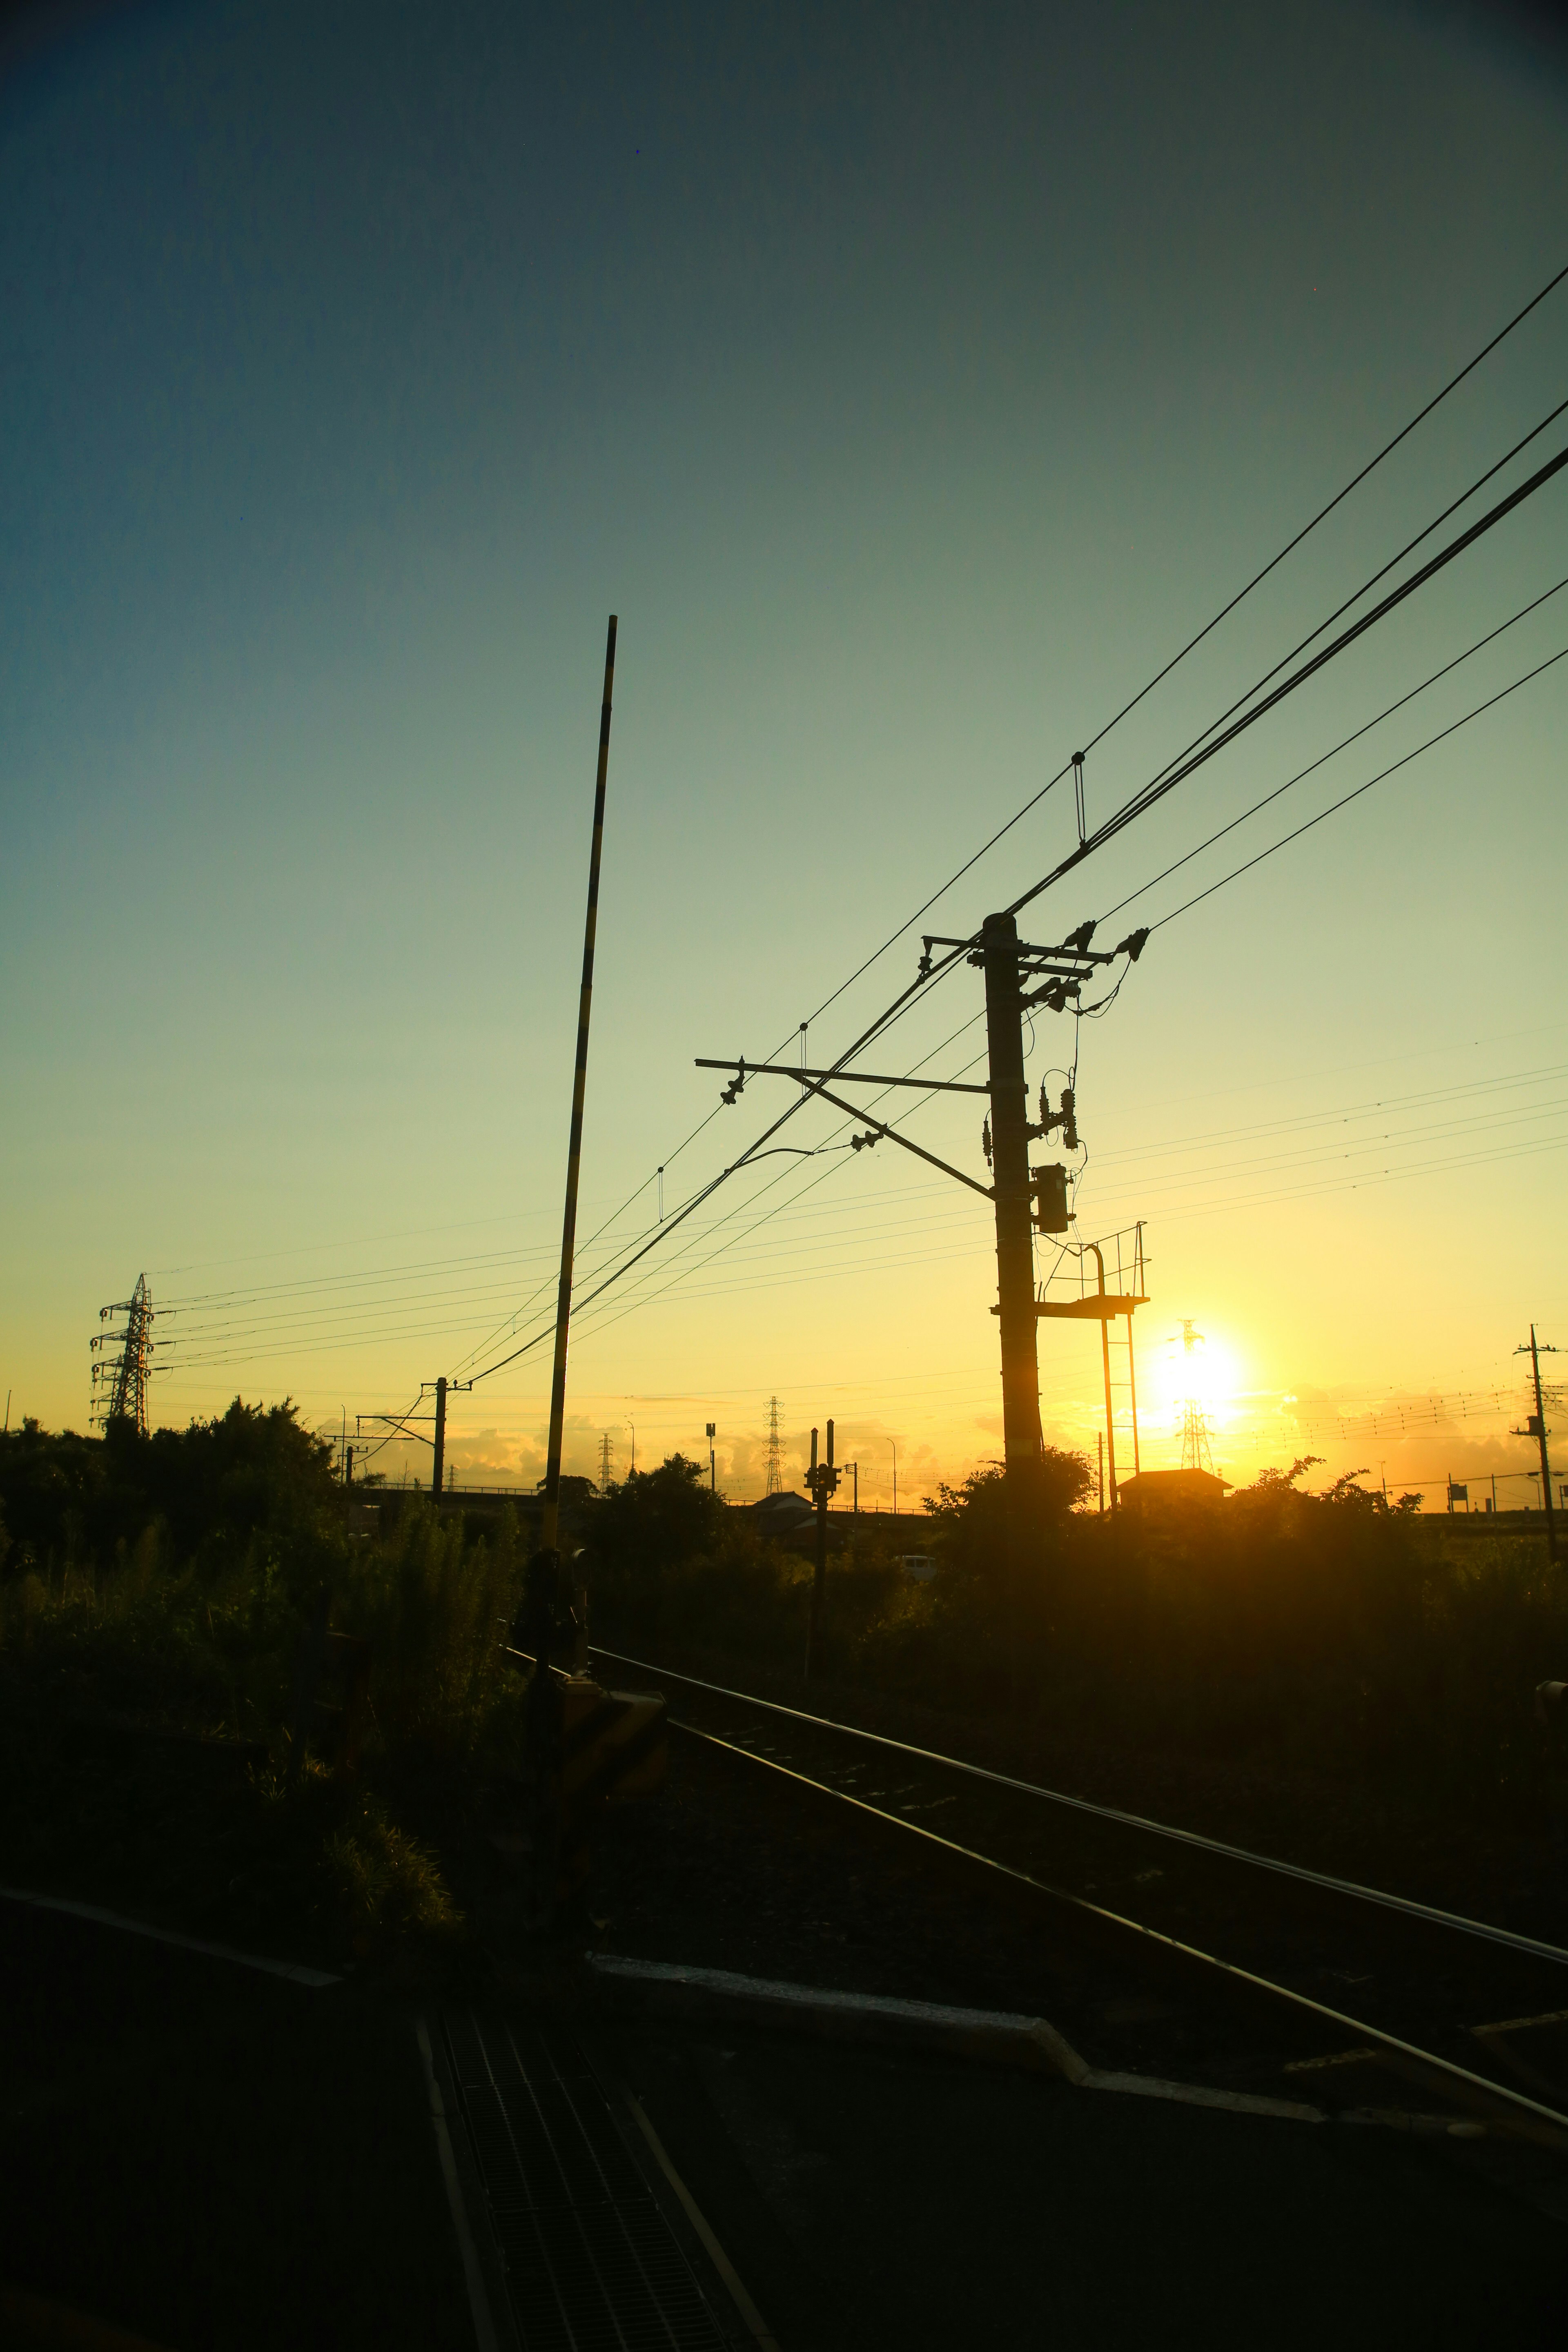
(591, 2264)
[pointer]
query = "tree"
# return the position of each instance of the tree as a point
(655, 1518)
(972, 1517)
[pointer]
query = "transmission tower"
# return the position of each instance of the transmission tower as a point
(1196, 1451)
(606, 1463)
(775, 1460)
(120, 1379)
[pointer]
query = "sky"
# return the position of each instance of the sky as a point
(914, 384)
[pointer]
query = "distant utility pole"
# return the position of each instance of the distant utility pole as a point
(821, 1481)
(606, 1462)
(439, 1473)
(1535, 1427)
(712, 1473)
(776, 1457)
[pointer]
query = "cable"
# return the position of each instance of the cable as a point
(1157, 789)
(1226, 610)
(1335, 809)
(1342, 745)
(1381, 573)
(1324, 512)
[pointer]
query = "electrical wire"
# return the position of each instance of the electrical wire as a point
(1324, 512)
(1209, 626)
(1342, 745)
(1159, 786)
(1367, 585)
(1336, 806)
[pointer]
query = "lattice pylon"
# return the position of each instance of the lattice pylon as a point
(120, 1380)
(775, 1450)
(1197, 1453)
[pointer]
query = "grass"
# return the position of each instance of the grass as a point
(147, 1679)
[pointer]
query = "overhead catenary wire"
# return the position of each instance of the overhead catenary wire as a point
(1343, 744)
(1334, 808)
(1209, 626)
(1367, 585)
(1164, 782)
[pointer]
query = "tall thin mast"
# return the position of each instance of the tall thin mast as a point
(548, 1532)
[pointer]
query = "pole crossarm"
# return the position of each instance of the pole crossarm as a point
(815, 1086)
(861, 1078)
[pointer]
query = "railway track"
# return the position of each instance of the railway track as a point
(1268, 1976)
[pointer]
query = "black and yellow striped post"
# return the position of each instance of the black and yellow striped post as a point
(548, 1534)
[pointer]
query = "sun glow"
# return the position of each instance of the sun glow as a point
(1207, 1375)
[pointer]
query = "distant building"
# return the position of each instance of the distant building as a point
(1154, 1492)
(778, 1514)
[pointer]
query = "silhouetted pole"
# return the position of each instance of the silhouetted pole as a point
(1105, 1359)
(822, 1479)
(1541, 1436)
(1021, 1442)
(438, 1474)
(551, 1520)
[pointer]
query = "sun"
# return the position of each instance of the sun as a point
(1205, 1373)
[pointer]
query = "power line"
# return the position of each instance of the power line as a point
(1157, 788)
(1209, 626)
(1342, 745)
(1335, 807)
(1381, 573)
(1324, 512)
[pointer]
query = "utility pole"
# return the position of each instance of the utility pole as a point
(1021, 1440)
(712, 1474)
(439, 1473)
(1099, 1457)
(821, 1481)
(1020, 1198)
(1536, 1427)
(550, 1517)
(606, 1461)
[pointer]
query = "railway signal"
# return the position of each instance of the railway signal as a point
(822, 1484)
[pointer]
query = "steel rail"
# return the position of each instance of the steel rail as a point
(1348, 1887)
(1470, 2088)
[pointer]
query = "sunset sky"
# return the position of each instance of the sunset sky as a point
(914, 384)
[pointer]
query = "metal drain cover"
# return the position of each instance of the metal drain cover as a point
(591, 2264)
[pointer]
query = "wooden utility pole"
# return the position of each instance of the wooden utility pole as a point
(1021, 1441)
(1537, 1429)
(551, 1521)
(439, 1470)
